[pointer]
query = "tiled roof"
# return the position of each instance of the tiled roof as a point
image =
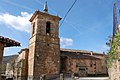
(8, 42)
(80, 54)
(25, 49)
(77, 56)
(80, 51)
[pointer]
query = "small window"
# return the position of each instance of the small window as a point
(81, 69)
(48, 28)
(94, 67)
(33, 31)
(90, 65)
(95, 64)
(48, 44)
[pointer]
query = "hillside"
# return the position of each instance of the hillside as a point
(6, 59)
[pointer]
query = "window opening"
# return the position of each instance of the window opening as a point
(33, 28)
(48, 28)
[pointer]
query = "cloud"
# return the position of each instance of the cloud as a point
(17, 22)
(66, 42)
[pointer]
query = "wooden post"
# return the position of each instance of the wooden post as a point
(42, 77)
(1, 57)
(72, 75)
(61, 76)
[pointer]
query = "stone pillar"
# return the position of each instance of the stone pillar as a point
(72, 75)
(61, 76)
(1, 57)
(42, 77)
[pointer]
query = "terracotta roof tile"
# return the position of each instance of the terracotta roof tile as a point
(80, 56)
(8, 42)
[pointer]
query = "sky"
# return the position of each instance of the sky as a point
(86, 27)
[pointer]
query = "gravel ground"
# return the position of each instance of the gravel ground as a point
(87, 78)
(94, 78)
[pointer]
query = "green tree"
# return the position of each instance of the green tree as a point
(3, 68)
(113, 53)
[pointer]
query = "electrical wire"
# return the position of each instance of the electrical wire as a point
(68, 12)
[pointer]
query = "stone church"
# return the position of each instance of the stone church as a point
(44, 56)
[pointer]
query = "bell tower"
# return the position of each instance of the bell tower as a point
(44, 45)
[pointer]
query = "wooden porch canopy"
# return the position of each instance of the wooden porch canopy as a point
(8, 42)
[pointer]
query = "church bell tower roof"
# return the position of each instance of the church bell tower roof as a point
(45, 13)
(45, 7)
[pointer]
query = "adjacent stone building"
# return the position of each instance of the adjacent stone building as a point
(83, 63)
(18, 68)
(21, 65)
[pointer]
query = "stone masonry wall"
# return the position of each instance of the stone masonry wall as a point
(92, 66)
(24, 71)
(114, 70)
(46, 57)
(22, 64)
